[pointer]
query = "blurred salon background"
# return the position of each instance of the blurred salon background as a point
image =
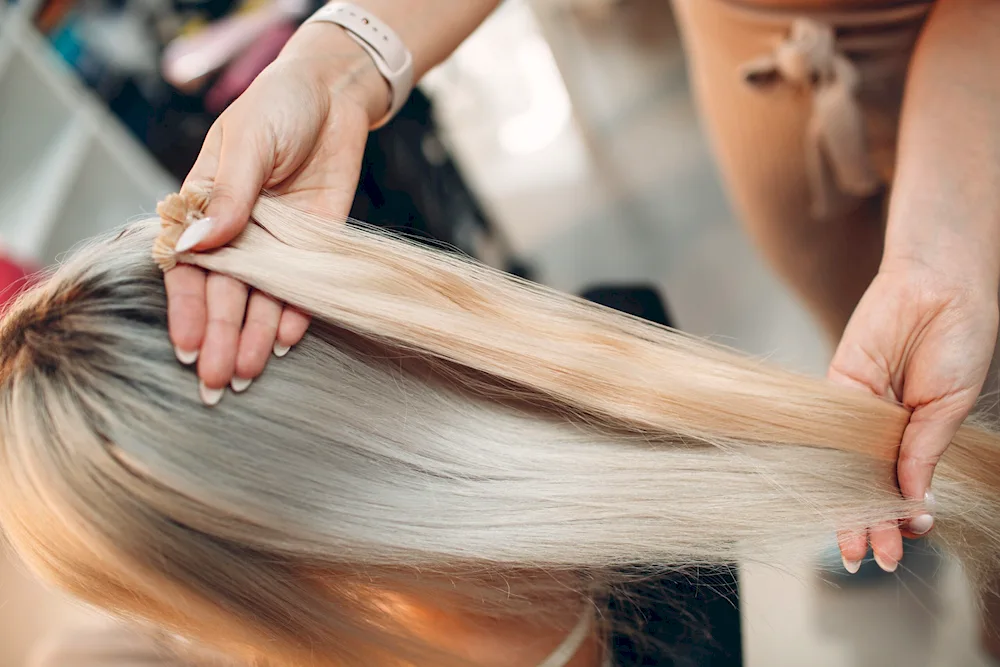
(559, 143)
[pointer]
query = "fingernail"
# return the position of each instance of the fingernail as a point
(280, 350)
(186, 357)
(239, 384)
(887, 566)
(930, 502)
(852, 566)
(921, 524)
(210, 397)
(924, 522)
(194, 234)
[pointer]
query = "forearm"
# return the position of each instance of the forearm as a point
(945, 208)
(430, 29)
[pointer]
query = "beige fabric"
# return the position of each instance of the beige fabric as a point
(798, 5)
(803, 107)
(802, 110)
(835, 134)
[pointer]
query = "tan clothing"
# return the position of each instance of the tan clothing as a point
(802, 108)
(811, 5)
(802, 111)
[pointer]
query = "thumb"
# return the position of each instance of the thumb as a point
(927, 436)
(856, 367)
(233, 176)
(837, 376)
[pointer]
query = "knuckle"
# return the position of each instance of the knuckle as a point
(921, 458)
(263, 324)
(224, 324)
(251, 363)
(188, 300)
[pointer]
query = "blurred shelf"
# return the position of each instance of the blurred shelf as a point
(86, 210)
(69, 170)
(43, 142)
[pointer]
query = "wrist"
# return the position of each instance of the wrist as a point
(943, 229)
(962, 262)
(341, 65)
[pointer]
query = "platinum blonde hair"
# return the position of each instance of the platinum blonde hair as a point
(444, 432)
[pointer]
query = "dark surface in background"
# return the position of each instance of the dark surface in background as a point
(690, 617)
(409, 183)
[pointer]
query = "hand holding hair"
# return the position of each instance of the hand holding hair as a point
(925, 330)
(299, 130)
(923, 338)
(293, 131)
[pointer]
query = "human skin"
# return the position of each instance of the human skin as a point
(925, 330)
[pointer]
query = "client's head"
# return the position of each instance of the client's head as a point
(325, 512)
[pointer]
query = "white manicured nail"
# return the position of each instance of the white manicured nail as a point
(186, 357)
(852, 566)
(930, 502)
(239, 384)
(280, 350)
(921, 524)
(210, 397)
(194, 234)
(884, 564)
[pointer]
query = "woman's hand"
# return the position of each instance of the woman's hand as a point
(299, 131)
(924, 336)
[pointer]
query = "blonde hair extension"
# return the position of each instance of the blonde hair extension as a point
(446, 436)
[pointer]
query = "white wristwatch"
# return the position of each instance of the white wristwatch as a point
(392, 58)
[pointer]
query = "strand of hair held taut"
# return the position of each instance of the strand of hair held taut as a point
(627, 371)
